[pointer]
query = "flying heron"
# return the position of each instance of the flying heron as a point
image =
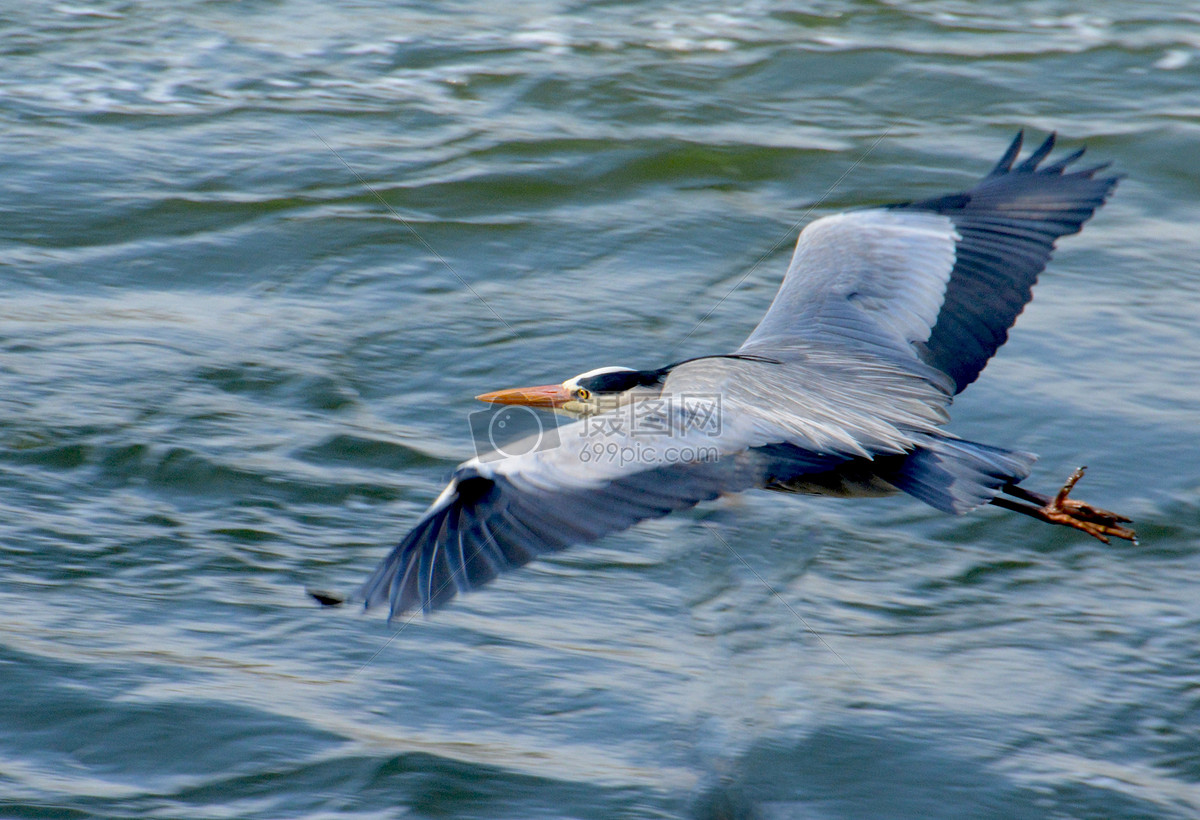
(884, 315)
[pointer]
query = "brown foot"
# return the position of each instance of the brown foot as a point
(1094, 521)
(1068, 512)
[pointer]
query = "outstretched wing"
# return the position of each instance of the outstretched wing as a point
(942, 278)
(870, 279)
(598, 479)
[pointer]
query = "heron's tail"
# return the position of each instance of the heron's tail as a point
(956, 476)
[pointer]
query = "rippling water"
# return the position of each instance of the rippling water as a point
(259, 256)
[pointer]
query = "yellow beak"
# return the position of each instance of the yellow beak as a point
(543, 395)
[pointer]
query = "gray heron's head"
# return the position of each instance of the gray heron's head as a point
(595, 391)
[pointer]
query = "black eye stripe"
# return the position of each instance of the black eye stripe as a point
(618, 381)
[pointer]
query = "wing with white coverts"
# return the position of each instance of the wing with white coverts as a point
(942, 279)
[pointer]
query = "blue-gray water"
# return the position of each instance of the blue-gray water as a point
(227, 372)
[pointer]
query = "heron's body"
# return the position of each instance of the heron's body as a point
(884, 315)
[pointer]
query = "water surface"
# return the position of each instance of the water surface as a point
(257, 259)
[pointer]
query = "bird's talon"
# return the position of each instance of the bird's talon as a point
(1096, 522)
(1073, 479)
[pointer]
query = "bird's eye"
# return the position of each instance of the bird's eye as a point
(583, 394)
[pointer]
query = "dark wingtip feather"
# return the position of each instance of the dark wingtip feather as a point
(1088, 173)
(1061, 165)
(325, 598)
(1006, 161)
(1008, 225)
(1030, 165)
